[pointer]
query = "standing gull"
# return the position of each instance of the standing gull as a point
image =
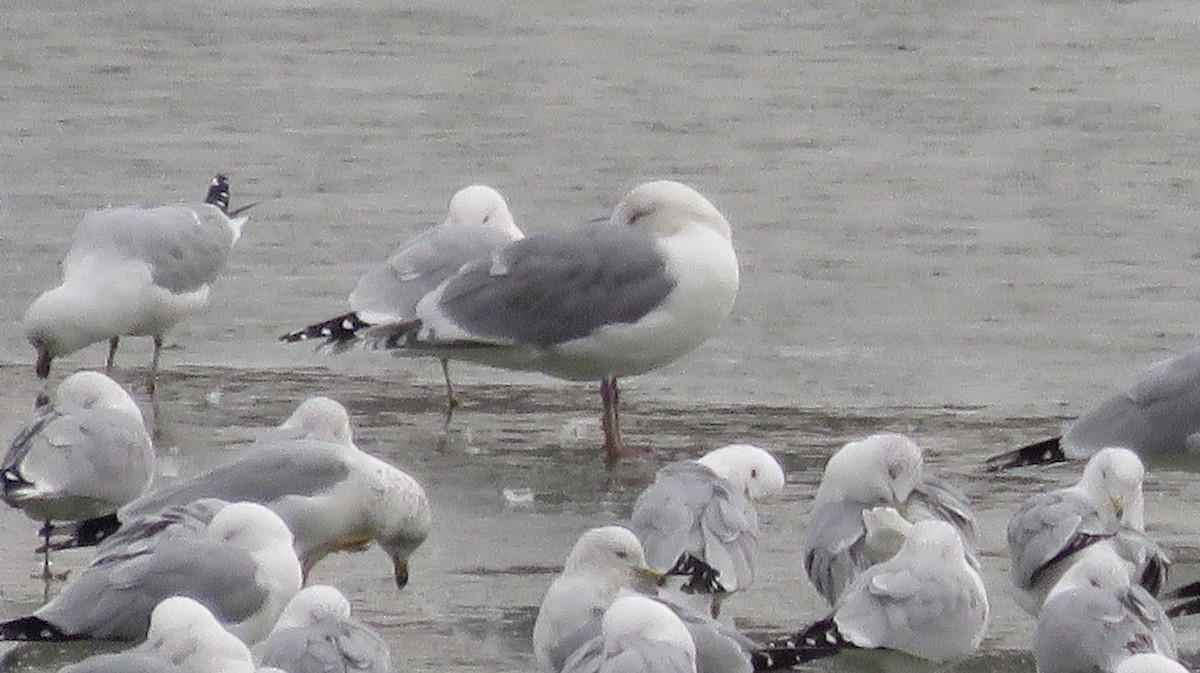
(477, 224)
(598, 302)
(333, 495)
(244, 569)
(1157, 416)
(316, 634)
(1094, 619)
(134, 272)
(702, 511)
(82, 456)
(1105, 507)
(881, 471)
(637, 635)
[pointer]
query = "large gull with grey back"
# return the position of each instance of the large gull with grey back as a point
(134, 272)
(594, 302)
(317, 634)
(478, 223)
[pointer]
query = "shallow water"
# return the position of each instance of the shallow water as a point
(966, 221)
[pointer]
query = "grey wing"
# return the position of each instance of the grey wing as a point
(23, 442)
(1047, 529)
(720, 648)
(587, 657)
(1095, 628)
(115, 600)
(833, 548)
(389, 292)
(329, 646)
(1151, 563)
(185, 246)
(666, 516)
(566, 645)
(144, 533)
(296, 468)
(131, 661)
(639, 655)
(1156, 414)
(937, 499)
(549, 289)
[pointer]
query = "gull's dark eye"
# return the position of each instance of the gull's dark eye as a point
(754, 473)
(622, 554)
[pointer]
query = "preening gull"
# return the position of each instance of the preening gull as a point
(1105, 507)
(244, 569)
(637, 635)
(597, 302)
(134, 272)
(478, 223)
(1093, 619)
(316, 634)
(702, 511)
(184, 637)
(883, 470)
(1157, 416)
(925, 606)
(82, 456)
(333, 495)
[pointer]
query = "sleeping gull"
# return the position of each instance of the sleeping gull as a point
(316, 634)
(1157, 416)
(1105, 507)
(136, 272)
(637, 635)
(883, 470)
(597, 302)
(1093, 619)
(333, 495)
(702, 511)
(924, 608)
(184, 637)
(477, 224)
(82, 456)
(244, 569)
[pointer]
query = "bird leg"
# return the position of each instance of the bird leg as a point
(112, 354)
(153, 375)
(451, 398)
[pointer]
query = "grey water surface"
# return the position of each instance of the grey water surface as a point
(962, 220)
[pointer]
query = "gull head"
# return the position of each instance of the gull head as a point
(936, 537)
(186, 633)
(312, 605)
(749, 468)
(634, 617)
(1113, 476)
(249, 526)
(615, 553)
(663, 208)
(1101, 569)
(882, 469)
(94, 390)
(481, 205)
(317, 418)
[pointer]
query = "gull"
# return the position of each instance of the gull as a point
(316, 634)
(637, 635)
(883, 470)
(244, 569)
(477, 224)
(1156, 416)
(1093, 619)
(596, 302)
(332, 494)
(925, 608)
(81, 456)
(183, 637)
(1150, 662)
(701, 511)
(134, 272)
(1105, 507)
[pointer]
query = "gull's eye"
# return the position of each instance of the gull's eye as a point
(754, 473)
(622, 554)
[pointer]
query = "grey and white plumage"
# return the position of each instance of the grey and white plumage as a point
(1150, 662)
(596, 302)
(1104, 507)
(704, 509)
(244, 569)
(82, 455)
(134, 272)
(317, 634)
(477, 223)
(186, 633)
(1156, 416)
(924, 608)
(637, 635)
(1094, 619)
(883, 470)
(332, 494)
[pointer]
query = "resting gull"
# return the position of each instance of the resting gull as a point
(134, 272)
(596, 302)
(316, 634)
(637, 635)
(477, 224)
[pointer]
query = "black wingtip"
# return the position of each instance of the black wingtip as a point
(34, 629)
(703, 578)
(340, 330)
(1186, 591)
(218, 193)
(1184, 609)
(86, 533)
(821, 640)
(1045, 452)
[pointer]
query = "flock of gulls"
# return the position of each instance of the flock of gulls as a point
(208, 573)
